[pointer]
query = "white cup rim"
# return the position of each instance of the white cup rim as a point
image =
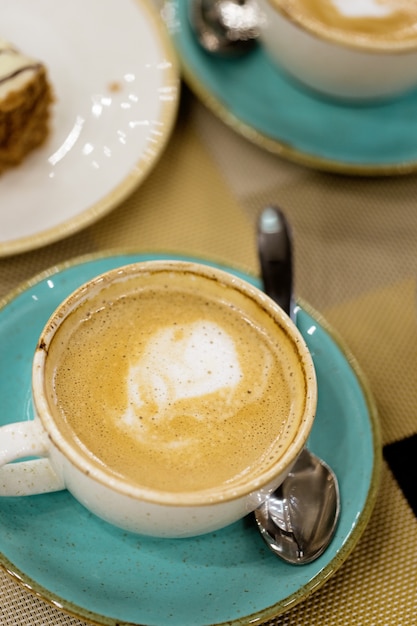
(204, 497)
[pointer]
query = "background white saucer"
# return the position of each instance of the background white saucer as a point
(116, 84)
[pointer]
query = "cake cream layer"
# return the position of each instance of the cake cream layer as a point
(16, 69)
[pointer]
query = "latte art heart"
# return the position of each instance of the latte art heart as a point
(197, 362)
(193, 361)
(179, 364)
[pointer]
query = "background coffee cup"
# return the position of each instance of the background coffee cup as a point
(350, 50)
(65, 461)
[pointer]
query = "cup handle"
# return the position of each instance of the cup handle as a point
(19, 440)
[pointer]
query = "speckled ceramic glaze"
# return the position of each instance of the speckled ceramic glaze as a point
(260, 102)
(109, 576)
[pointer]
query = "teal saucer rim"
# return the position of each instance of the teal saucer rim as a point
(361, 522)
(282, 149)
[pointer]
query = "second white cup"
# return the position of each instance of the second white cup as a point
(354, 51)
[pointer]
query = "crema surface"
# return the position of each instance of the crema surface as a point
(178, 385)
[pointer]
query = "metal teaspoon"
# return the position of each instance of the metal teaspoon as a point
(227, 28)
(298, 520)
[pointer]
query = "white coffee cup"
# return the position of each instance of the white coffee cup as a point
(360, 51)
(193, 354)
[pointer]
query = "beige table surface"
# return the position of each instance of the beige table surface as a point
(356, 263)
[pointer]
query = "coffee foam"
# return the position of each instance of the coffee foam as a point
(387, 22)
(173, 389)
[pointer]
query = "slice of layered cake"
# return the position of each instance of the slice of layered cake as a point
(25, 98)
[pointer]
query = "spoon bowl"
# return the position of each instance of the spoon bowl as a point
(227, 28)
(298, 520)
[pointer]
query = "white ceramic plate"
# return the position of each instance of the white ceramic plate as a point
(116, 83)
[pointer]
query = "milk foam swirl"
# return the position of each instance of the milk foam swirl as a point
(181, 364)
(366, 8)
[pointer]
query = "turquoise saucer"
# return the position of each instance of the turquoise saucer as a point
(264, 105)
(99, 573)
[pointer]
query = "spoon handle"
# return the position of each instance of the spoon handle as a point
(275, 254)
